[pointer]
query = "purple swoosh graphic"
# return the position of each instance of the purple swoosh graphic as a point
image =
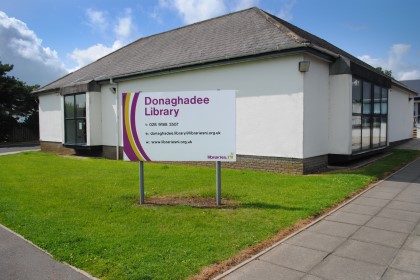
(133, 126)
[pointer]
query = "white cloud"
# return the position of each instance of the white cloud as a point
(410, 75)
(286, 9)
(195, 10)
(124, 28)
(97, 19)
(92, 53)
(375, 62)
(397, 62)
(33, 63)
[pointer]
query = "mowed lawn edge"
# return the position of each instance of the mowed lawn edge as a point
(85, 211)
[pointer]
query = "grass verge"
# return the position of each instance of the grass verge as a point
(84, 212)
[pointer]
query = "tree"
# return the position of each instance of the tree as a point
(386, 72)
(18, 106)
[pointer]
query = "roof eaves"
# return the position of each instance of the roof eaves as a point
(45, 91)
(403, 86)
(203, 63)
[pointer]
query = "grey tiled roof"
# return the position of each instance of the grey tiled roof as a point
(240, 34)
(413, 84)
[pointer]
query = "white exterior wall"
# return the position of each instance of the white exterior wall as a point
(269, 105)
(51, 126)
(316, 103)
(94, 118)
(109, 116)
(400, 115)
(340, 114)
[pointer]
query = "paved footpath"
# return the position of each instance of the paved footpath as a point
(20, 260)
(375, 236)
(4, 150)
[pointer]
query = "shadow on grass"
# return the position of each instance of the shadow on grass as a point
(262, 205)
(210, 203)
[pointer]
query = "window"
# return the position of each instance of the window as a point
(366, 116)
(370, 115)
(75, 119)
(357, 116)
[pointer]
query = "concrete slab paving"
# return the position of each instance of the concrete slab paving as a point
(374, 236)
(416, 231)
(339, 268)
(361, 209)
(394, 274)
(380, 236)
(407, 260)
(412, 243)
(334, 228)
(367, 252)
(377, 193)
(316, 241)
(404, 205)
(399, 215)
(391, 186)
(312, 277)
(370, 201)
(262, 270)
(349, 218)
(412, 190)
(391, 224)
(294, 257)
(413, 198)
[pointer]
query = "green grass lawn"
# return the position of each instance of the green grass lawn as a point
(84, 211)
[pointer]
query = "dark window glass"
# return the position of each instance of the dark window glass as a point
(366, 132)
(384, 120)
(70, 131)
(81, 105)
(75, 119)
(81, 132)
(376, 131)
(384, 102)
(357, 96)
(367, 99)
(69, 106)
(369, 116)
(376, 100)
(356, 134)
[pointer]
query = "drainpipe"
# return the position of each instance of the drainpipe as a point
(115, 90)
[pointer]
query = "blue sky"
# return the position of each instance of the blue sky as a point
(45, 39)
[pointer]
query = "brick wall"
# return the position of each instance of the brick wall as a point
(57, 148)
(270, 164)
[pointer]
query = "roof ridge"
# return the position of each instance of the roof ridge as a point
(312, 39)
(144, 38)
(175, 29)
(280, 25)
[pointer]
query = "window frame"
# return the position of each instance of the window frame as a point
(77, 119)
(368, 114)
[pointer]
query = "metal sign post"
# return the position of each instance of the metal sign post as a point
(218, 182)
(141, 175)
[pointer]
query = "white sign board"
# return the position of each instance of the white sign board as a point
(179, 126)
